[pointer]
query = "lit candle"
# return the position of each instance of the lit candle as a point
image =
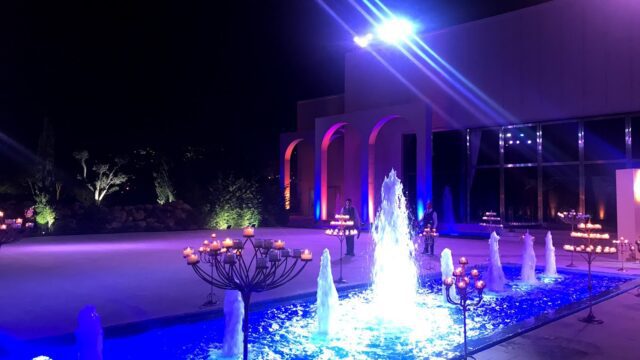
(192, 259)
(306, 255)
(201, 249)
(213, 236)
(475, 273)
(19, 221)
(463, 261)
(248, 231)
(205, 243)
(1, 214)
(480, 284)
(261, 263)
(448, 281)
(227, 243)
(328, 232)
(215, 245)
(458, 272)
(461, 285)
(186, 252)
(278, 245)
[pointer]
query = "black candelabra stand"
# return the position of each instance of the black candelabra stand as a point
(572, 218)
(429, 233)
(491, 221)
(623, 247)
(342, 227)
(249, 266)
(589, 253)
(465, 290)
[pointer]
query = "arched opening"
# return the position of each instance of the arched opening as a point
(287, 173)
(395, 147)
(335, 173)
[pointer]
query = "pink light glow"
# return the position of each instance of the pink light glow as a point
(636, 186)
(326, 140)
(287, 173)
(372, 162)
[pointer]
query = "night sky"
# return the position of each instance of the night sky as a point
(222, 76)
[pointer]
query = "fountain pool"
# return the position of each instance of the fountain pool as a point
(287, 330)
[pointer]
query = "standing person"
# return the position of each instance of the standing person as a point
(348, 209)
(429, 220)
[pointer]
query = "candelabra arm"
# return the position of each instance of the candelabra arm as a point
(449, 299)
(210, 280)
(289, 277)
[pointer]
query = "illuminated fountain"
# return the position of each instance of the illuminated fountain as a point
(528, 273)
(495, 275)
(446, 269)
(395, 274)
(327, 297)
(550, 269)
(233, 315)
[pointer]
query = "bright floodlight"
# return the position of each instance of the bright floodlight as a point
(394, 30)
(363, 41)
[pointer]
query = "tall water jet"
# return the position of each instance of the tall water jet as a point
(446, 268)
(327, 296)
(395, 274)
(89, 335)
(528, 273)
(495, 275)
(550, 257)
(232, 344)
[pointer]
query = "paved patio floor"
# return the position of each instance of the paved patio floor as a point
(44, 282)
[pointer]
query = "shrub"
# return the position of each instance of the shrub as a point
(163, 185)
(45, 214)
(237, 203)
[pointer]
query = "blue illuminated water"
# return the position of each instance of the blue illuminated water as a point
(287, 330)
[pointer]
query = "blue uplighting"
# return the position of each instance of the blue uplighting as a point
(286, 330)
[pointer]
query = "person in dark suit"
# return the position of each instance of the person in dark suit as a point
(429, 220)
(348, 209)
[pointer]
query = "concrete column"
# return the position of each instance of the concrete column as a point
(424, 169)
(628, 204)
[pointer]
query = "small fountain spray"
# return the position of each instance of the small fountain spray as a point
(327, 296)
(395, 274)
(233, 314)
(495, 275)
(550, 257)
(528, 273)
(446, 268)
(89, 335)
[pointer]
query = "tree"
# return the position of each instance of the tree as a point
(105, 179)
(163, 185)
(42, 178)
